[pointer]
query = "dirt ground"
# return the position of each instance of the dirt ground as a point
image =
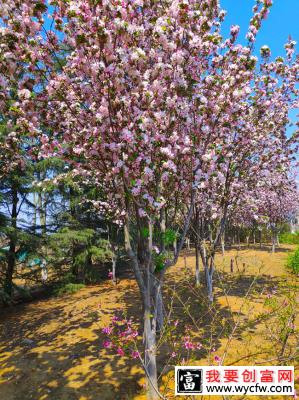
(51, 349)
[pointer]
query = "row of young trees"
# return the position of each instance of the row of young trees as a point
(140, 117)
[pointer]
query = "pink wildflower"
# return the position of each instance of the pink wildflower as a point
(107, 344)
(107, 330)
(120, 351)
(135, 354)
(188, 344)
(217, 359)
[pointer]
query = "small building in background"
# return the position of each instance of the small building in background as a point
(295, 224)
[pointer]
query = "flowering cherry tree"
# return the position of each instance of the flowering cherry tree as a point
(277, 201)
(147, 99)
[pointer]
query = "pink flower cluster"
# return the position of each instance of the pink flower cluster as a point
(189, 345)
(122, 337)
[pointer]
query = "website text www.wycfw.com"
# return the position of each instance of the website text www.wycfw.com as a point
(234, 380)
(253, 389)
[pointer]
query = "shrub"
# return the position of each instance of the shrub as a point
(293, 262)
(289, 238)
(67, 288)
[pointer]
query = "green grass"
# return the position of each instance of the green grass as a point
(289, 238)
(67, 288)
(293, 262)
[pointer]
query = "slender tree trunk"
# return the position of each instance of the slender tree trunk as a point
(34, 220)
(260, 239)
(150, 362)
(159, 308)
(273, 244)
(233, 237)
(42, 212)
(114, 270)
(277, 240)
(163, 229)
(175, 245)
(197, 273)
(232, 265)
(222, 244)
(150, 322)
(209, 271)
(197, 253)
(11, 261)
(188, 243)
(11, 257)
(148, 287)
(239, 243)
(274, 235)
(247, 240)
(210, 234)
(209, 280)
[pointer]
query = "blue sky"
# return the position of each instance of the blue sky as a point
(283, 21)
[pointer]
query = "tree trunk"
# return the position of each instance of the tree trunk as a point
(209, 271)
(11, 261)
(151, 294)
(273, 244)
(150, 363)
(163, 229)
(188, 243)
(277, 240)
(247, 240)
(231, 265)
(150, 290)
(260, 239)
(159, 309)
(114, 270)
(197, 273)
(222, 244)
(274, 235)
(175, 245)
(11, 257)
(34, 220)
(42, 212)
(197, 253)
(209, 280)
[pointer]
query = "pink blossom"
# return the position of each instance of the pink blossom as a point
(120, 351)
(234, 30)
(217, 359)
(135, 354)
(24, 94)
(107, 330)
(188, 344)
(107, 344)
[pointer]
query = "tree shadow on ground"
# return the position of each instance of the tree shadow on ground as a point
(52, 349)
(256, 247)
(59, 351)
